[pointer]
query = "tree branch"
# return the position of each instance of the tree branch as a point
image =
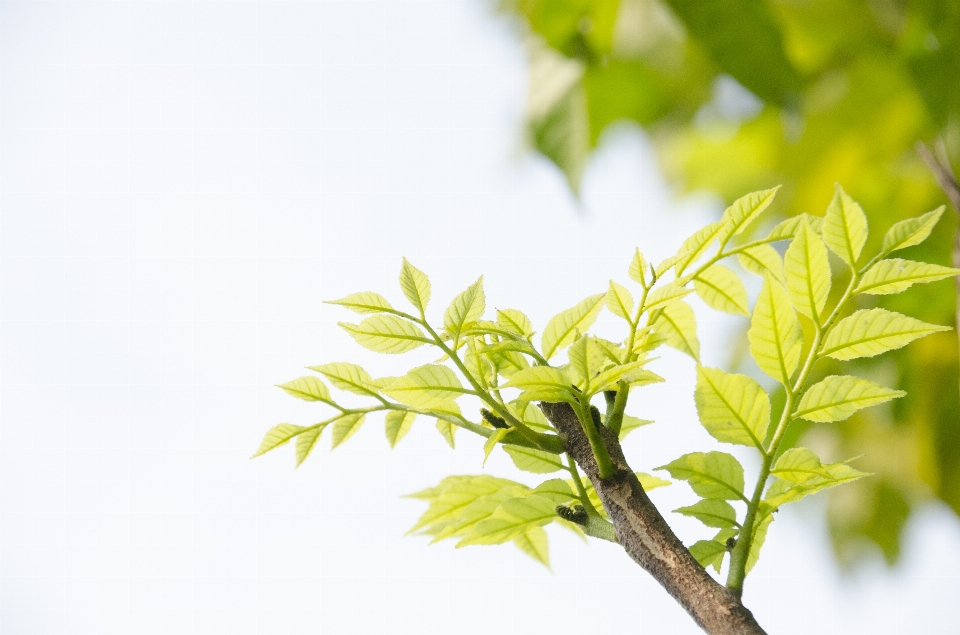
(645, 535)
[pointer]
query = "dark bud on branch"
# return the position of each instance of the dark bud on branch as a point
(610, 396)
(574, 514)
(595, 413)
(493, 419)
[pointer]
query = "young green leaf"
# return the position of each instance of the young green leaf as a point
(386, 334)
(798, 466)
(712, 513)
(910, 232)
(562, 329)
(306, 442)
(512, 518)
(364, 302)
(775, 335)
(678, 325)
(870, 332)
(345, 427)
(556, 489)
(535, 461)
(630, 424)
(515, 322)
(276, 436)
(308, 388)
(649, 482)
(694, 247)
(808, 273)
(426, 386)
(759, 537)
(415, 285)
(762, 260)
(398, 424)
(738, 217)
(349, 377)
(466, 308)
(733, 408)
(709, 553)
(896, 275)
(845, 227)
(665, 294)
(542, 383)
(492, 442)
(638, 269)
(783, 491)
(839, 396)
(478, 510)
(619, 301)
(633, 373)
(580, 370)
(788, 228)
(715, 475)
(455, 495)
(447, 430)
(533, 542)
(722, 290)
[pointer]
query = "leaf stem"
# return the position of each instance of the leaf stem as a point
(604, 464)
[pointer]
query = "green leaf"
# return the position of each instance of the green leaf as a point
(562, 329)
(630, 424)
(306, 441)
(580, 370)
(426, 386)
(798, 466)
(775, 335)
(896, 275)
(308, 388)
(345, 427)
(722, 290)
(712, 513)
(349, 377)
(466, 308)
(650, 482)
(696, 246)
(492, 442)
(386, 334)
(619, 301)
(665, 294)
(398, 424)
(845, 227)
(535, 461)
(415, 285)
(762, 260)
(790, 227)
(910, 232)
(783, 491)
(668, 263)
(447, 430)
(759, 537)
(633, 373)
(839, 396)
(515, 321)
(432, 493)
(455, 495)
(512, 518)
(276, 436)
(678, 324)
(533, 542)
(745, 210)
(870, 332)
(709, 553)
(638, 268)
(733, 408)
(715, 475)
(478, 510)
(808, 273)
(364, 302)
(542, 383)
(556, 489)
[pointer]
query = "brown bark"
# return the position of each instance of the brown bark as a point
(647, 538)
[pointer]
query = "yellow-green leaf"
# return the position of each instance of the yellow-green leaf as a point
(711, 475)
(345, 427)
(712, 513)
(535, 461)
(721, 289)
(638, 268)
(533, 542)
(542, 383)
(895, 275)
(665, 294)
(364, 302)
(512, 518)
(455, 494)
(492, 442)
(562, 329)
(478, 510)
(631, 423)
(515, 321)
(426, 386)
(732, 408)
(694, 247)
(808, 273)
(580, 370)
(761, 260)
(466, 308)
(910, 232)
(799, 465)
(871, 332)
(346, 376)
(308, 388)
(775, 335)
(839, 396)
(556, 489)
(759, 537)
(783, 491)
(415, 285)
(276, 436)
(447, 430)
(745, 210)
(788, 228)
(677, 323)
(306, 441)
(845, 227)
(398, 424)
(619, 301)
(386, 334)
(633, 373)
(709, 553)
(649, 482)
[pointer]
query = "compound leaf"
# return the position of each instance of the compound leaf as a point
(386, 334)
(427, 386)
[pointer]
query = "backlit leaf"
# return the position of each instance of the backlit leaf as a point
(276, 436)
(345, 427)
(895, 275)
(398, 423)
(910, 232)
(808, 273)
(386, 334)
(759, 537)
(744, 211)
(515, 321)
(665, 294)
(839, 396)
(633, 373)
(775, 335)
(790, 227)
(542, 383)
(712, 513)
(694, 247)
(448, 431)
(308, 388)
(619, 301)
(364, 302)
(871, 332)
(799, 465)
(466, 308)
(845, 227)
(512, 518)
(533, 542)
(455, 495)
(492, 442)
(426, 386)
(349, 377)
(733, 408)
(562, 329)
(708, 553)
(638, 268)
(630, 424)
(535, 461)
(677, 323)
(415, 285)
(715, 475)
(306, 441)
(722, 290)
(762, 260)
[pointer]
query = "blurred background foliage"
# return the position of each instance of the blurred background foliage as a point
(742, 95)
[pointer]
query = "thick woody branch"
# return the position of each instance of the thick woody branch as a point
(647, 538)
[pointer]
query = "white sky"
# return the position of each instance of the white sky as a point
(181, 184)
